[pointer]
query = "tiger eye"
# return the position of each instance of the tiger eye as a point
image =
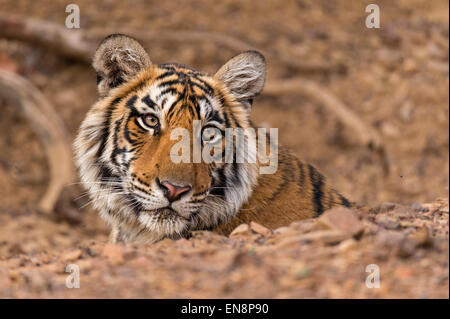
(150, 120)
(211, 134)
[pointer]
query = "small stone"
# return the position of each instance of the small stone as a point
(403, 212)
(304, 226)
(401, 245)
(260, 229)
(389, 129)
(406, 248)
(422, 237)
(241, 230)
(72, 255)
(35, 261)
(129, 255)
(342, 219)
(327, 237)
(387, 222)
(347, 245)
(388, 238)
(282, 230)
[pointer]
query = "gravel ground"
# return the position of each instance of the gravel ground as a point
(321, 258)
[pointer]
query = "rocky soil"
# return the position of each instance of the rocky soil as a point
(321, 258)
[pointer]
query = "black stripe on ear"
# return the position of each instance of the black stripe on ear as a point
(317, 181)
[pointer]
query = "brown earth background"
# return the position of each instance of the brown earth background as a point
(396, 79)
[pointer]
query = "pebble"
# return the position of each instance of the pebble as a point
(241, 230)
(387, 222)
(72, 255)
(419, 208)
(387, 206)
(327, 237)
(260, 229)
(342, 219)
(113, 253)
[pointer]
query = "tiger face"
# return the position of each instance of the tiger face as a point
(125, 144)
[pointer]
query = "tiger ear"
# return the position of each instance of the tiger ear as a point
(244, 75)
(117, 60)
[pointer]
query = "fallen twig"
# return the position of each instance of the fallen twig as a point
(19, 92)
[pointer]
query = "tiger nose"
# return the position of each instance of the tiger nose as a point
(173, 192)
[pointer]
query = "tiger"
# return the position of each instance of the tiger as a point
(123, 150)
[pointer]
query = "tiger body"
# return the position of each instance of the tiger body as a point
(124, 147)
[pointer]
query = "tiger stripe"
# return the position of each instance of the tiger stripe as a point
(124, 163)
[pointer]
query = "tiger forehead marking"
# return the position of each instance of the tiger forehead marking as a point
(124, 147)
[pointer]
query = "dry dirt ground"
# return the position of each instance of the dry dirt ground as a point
(395, 78)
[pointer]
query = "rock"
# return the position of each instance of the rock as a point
(388, 238)
(399, 243)
(130, 255)
(113, 253)
(327, 237)
(387, 222)
(342, 219)
(347, 245)
(241, 230)
(389, 129)
(406, 248)
(72, 255)
(260, 229)
(282, 230)
(403, 212)
(304, 226)
(422, 237)
(387, 206)
(419, 208)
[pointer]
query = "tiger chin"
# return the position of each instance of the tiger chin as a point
(124, 146)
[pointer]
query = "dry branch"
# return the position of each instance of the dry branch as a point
(67, 42)
(20, 93)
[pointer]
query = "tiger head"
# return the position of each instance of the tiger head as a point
(125, 144)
